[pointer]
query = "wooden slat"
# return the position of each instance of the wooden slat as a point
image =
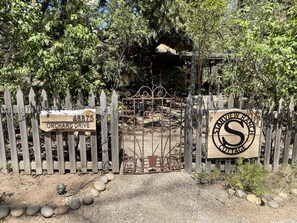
(251, 103)
(268, 134)
(294, 156)
(47, 137)
(94, 147)
(260, 109)
(278, 135)
(3, 160)
(288, 132)
(199, 135)
(23, 131)
(71, 145)
(11, 131)
(220, 106)
(59, 137)
(210, 106)
(35, 131)
(188, 134)
(228, 166)
(115, 154)
(82, 138)
(104, 137)
(240, 102)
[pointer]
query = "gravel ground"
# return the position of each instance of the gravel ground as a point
(169, 197)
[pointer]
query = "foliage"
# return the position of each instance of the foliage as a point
(261, 46)
(69, 44)
(121, 39)
(202, 22)
(53, 47)
(210, 178)
(249, 177)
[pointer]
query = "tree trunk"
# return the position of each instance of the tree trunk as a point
(200, 73)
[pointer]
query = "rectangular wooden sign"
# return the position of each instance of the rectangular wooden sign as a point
(234, 133)
(68, 120)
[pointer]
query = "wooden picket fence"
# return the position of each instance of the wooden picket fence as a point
(278, 144)
(24, 147)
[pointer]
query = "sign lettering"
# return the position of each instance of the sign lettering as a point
(68, 120)
(234, 133)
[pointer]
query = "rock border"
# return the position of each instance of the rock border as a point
(48, 211)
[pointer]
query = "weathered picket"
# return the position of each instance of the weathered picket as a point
(278, 135)
(24, 147)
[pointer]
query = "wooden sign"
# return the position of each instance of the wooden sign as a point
(234, 133)
(68, 120)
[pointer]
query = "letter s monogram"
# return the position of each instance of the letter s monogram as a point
(234, 132)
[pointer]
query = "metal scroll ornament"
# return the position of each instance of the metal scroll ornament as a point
(151, 131)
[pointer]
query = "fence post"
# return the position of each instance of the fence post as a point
(228, 165)
(3, 161)
(11, 131)
(268, 135)
(294, 156)
(82, 138)
(35, 132)
(210, 106)
(199, 134)
(289, 132)
(278, 134)
(47, 138)
(115, 133)
(94, 147)
(220, 106)
(71, 146)
(261, 108)
(189, 134)
(23, 131)
(59, 137)
(104, 138)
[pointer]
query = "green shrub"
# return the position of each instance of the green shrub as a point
(213, 176)
(249, 177)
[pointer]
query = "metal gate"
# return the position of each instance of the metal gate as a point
(151, 131)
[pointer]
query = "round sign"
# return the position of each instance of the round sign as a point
(233, 133)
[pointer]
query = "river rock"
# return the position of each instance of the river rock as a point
(110, 176)
(294, 191)
(231, 192)
(99, 185)
(4, 212)
(61, 210)
(240, 193)
(17, 212)
(253, 199)
(94, 193)
(32, 210)
(278, 199)
(283, 195)
(273, 204)
(47, 211)
(74, 203)
(264, 201)
(88, 200)
(103, 179)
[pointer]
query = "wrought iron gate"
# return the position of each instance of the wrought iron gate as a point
(151, 131)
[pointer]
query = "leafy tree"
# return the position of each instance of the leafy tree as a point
(202, 21)
(125, 30)
(69, 44)
(52, 44)
(261, 48)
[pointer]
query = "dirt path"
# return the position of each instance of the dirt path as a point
(170, 197)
